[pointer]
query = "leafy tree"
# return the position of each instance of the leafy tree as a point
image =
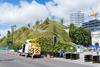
(79, 35)
(62, 21)
(83, 36)
(3, 41)
(9, 38)
(46, 21)
(28, 25)
(37, 22)
(72, 30)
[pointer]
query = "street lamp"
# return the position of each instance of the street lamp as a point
(12, 29)
(54, 39)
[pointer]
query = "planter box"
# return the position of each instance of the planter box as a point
(96, 59)
(88, 58)
(68, 55)
(75, 56)
(56, 54)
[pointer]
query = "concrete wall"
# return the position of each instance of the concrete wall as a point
(95, 37)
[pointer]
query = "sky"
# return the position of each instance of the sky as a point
(23, 12)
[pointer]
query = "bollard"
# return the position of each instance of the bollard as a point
(96, 59)
(88, 58)
(68, 55)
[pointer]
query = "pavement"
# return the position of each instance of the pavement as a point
(12, 60)
(81, 60)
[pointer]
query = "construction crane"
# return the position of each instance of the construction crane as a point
(94, 11)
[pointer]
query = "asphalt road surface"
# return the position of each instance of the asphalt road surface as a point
(7, 60)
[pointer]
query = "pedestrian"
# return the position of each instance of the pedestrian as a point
(61, 53)
(98, 51)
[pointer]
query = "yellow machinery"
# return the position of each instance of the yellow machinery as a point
(94, 12)
(33, 48)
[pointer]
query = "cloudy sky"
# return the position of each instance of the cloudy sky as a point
(21, 12)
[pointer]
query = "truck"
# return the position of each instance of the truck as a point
(31, 48)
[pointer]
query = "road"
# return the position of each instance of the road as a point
(7, 60)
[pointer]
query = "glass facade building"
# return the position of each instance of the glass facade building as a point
(94, 27)
(77, 18)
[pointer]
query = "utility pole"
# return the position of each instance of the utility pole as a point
(12, 29)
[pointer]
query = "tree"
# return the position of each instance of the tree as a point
(79, 35)
(28, 25)
(83, 36)
(46, 20)
(8, 34)
(37, 22)
(9, 41)
(62, 21)
(72, 30)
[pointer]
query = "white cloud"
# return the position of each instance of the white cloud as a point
(3, 32)
(65, 7)
(29, 12)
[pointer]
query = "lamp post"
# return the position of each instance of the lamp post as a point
(12, 29)
(54, 39)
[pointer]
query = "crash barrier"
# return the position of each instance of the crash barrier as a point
(88, 58)
(72, 56)
(96, 59)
